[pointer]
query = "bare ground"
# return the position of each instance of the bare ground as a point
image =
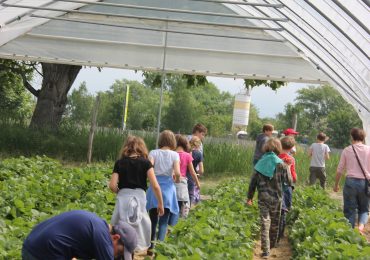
(283, 251)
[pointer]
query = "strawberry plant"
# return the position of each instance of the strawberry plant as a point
(319, 230)
(220, 228)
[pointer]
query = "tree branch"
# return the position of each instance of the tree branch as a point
(29, 87)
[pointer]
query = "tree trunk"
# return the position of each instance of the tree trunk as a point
(52, 99)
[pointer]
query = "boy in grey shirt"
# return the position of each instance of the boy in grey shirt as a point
(319, 152)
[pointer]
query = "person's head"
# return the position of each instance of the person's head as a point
(167, 139)
(182, 142)
(287, 142)
(195, 142)
(290, 132)
(200, 131)
(124, 239)
(273, 145)
(267, 129)
(321, 137)
(134, 146)
(358, 135)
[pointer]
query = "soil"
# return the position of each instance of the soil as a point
(283, 250)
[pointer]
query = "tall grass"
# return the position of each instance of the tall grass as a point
(303, 165)
(69, 143)
(222, 157)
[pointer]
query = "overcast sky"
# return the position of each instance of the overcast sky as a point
(268, 102)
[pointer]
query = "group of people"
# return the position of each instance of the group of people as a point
(141, 214)
(274, 177)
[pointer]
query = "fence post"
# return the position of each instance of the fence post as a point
(92, 129)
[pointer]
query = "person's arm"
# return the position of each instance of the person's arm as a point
(193, 174)
(340, 169)
(176, 170)
(293, 172)
(113, 184)
(327, 151)
(252, 188)
(157, 190)
(200, 168)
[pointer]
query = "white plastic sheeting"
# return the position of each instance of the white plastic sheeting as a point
(314, 41)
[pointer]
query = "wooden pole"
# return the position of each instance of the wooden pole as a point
(92, 129)
(295, 121)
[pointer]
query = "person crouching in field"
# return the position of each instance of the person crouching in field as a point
(269, 177)
(287, 144)
(129, 181)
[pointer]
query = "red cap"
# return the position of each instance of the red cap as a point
(290, 131)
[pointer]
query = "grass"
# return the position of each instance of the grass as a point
(222, 158)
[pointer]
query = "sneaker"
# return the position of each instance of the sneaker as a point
(265, 254)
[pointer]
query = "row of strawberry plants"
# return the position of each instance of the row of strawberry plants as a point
(220, 228)
(35, 189)
(318, 229)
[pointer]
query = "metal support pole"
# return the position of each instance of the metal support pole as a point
(163, 79)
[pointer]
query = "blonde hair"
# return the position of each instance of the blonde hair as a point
(195, 142)
(273, 145)
(134, 145)
(167, 138)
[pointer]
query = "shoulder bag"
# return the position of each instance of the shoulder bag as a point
(367, 182)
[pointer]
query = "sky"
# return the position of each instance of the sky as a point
(268, 102)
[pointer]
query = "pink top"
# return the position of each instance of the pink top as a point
(349, 162)
(185, 160)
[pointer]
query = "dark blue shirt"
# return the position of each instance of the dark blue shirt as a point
(77, 233)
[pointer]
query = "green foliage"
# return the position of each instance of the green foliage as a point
(255, 123)
(220, 228)
(16, 102)
(321, 109)
(69, 143)
(181, 114)
(227, 159)
(329, 236)
(154, 80)
(340, 122)
(35, 189)
(80, 105)
(274, 85)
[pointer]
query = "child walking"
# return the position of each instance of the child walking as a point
(319, 152)
(183, 148)
(269, 176)
(194, 192)
(129, 181)
(287, 144)
(166, 164)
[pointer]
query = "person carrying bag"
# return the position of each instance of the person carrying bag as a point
(355, 159)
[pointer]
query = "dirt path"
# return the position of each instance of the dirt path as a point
(283, 250)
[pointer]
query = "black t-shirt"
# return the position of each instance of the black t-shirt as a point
(132, 172)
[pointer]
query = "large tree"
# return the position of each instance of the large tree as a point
(57, 80)
(322, 109)
(52, 97)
